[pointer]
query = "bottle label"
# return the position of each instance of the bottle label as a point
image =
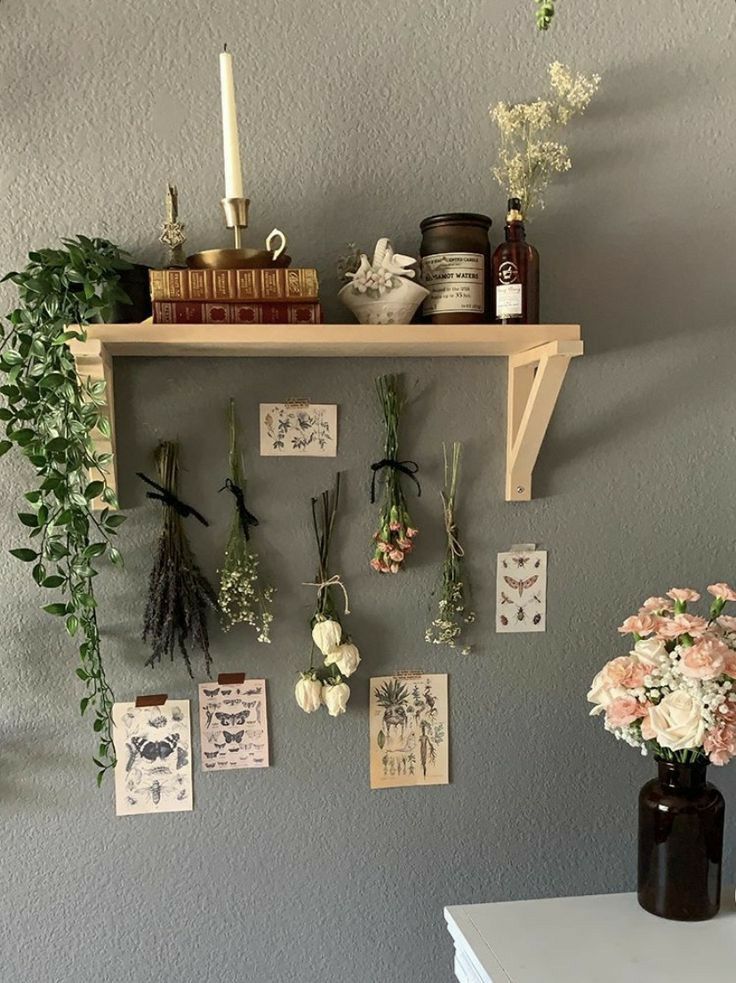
(456, 283)
(508, 300)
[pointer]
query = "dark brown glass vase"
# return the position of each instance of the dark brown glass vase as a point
(680, 843)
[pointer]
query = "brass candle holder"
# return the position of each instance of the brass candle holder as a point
(240, 257)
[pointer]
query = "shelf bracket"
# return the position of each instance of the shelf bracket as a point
(94, 362)
(535, 381)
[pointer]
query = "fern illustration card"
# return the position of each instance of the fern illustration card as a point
(409, 734)
(153, 746)
(298, 429)
(233, 725)
(521, 591)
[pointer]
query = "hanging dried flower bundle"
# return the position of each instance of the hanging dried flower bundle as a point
(454, 612)
(178, 592)
(395, 534)
(244, 598)
(325, 684)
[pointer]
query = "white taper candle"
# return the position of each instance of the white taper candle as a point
(230, 144)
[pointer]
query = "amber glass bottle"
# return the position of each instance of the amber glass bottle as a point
(516, 273)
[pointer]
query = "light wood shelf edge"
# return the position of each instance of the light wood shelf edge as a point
(538, 358)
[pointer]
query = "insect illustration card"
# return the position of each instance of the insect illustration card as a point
(154, 758)
(409, 735)
(298, 429)
(521, 591)
(233, 725)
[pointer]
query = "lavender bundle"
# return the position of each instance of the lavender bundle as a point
(178, 592)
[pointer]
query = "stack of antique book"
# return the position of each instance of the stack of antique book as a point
(257, 296)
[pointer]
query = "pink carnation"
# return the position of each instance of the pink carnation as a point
(723, 592)
(683, 594)
(639, 624)
(376, 564)
(681, 624)
(396, 555)
(720, 743)
(411, 533)
(729, 663)
(626, 671)
(624, 710)
(655, 605)
(728, 622)
(705, 659)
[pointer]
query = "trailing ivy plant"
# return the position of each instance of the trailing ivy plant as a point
(49, 416)
(544, 13)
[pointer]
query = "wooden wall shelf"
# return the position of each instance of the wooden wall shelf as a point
(538, 357)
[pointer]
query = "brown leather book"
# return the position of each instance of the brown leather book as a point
(277, 284)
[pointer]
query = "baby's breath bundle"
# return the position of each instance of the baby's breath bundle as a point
(530, 153)
(454, 612)
(244, 598)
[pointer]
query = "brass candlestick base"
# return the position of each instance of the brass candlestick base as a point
(239, 258)
(236, 217)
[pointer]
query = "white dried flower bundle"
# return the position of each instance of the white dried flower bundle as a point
(530, 154)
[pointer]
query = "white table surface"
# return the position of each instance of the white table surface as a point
(603, 938)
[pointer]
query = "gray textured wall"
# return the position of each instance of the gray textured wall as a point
(359, 119)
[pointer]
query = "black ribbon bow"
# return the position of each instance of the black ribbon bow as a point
(247, 518)
(409, 468)
(167, 497)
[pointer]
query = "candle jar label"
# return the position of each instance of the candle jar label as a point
(456, 283)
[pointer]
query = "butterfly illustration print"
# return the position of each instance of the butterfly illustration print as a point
(233, 738)
(211, 692)
(233, 719)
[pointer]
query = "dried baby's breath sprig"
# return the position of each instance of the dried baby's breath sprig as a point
(244, 598)
(178, 592)
(530, 154)
(454, 612)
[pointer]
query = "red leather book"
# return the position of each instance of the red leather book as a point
(277, 284)
(211, 312)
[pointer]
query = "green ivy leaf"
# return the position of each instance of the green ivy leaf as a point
(53, 581)
(72, 625)
(28, 519)
(116, 556)
(57, 609)
(94, 489)
(26, 555)
(113, 521)
(5, 446)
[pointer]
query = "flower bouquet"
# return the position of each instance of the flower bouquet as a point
(673, 696)
(325, 685)
(394, 539)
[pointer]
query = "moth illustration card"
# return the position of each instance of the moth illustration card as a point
(409, 730)
(298, 429)
(154, 758)
(521, 591)
(233, 725)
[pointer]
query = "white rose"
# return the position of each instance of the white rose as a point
(346, 657)
(327, 635)
(677, 722)
(308, 693)
(602, 692)
(650, 650)
(335, 697)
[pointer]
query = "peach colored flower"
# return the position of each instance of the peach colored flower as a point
(729, 663)
(639, 624)
(683, 594)
(720, 743)
(394, 568)
(376, 564)
(655, 605)
(624, 711)
(704, 660)
(626, 671)
(396, 555)
(681, 624)
(411, 533)
(727, 710)
(728, 622)
(723, 592)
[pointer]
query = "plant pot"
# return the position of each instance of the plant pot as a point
(135, 283)
(680, 843)
(396, 306)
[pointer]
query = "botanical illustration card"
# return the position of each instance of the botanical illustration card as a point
(233, 725)
(409, 730)
(521, 591)
(154, 758)
(298, 429)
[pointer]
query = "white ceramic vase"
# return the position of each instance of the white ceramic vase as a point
(395, 306)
